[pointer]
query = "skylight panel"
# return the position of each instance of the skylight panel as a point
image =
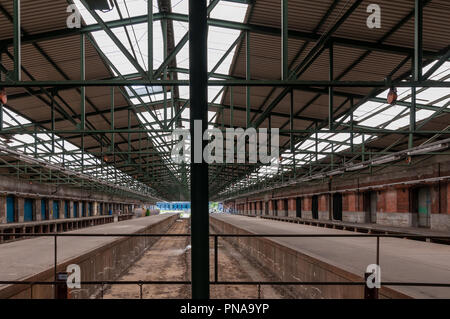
(431, 95)
(144, 90)
(113, 53)
(229, 11)
(180, 6)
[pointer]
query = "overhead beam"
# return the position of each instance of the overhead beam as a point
(253, 28)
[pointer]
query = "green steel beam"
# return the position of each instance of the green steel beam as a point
(253, 28)
(257, 83)
(17, 41)
(284, 40)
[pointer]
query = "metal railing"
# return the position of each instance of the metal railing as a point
(216, 280)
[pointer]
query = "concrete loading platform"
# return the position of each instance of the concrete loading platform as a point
(53, 226)
(427, 234)
(99, 258)
(339, 259)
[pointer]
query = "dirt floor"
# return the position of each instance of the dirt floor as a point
(169, 259)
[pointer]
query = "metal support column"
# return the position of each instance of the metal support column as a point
(83, 77)
(112, 119)
(199, 171)
(291, 121)
(330, 89)
(164, 33)
(231, 107)
(352, 135)
(17, 42)
(248, 76)
(284, 40)
(150, 38)
(291, 126)
(417, 66)
(52, 110)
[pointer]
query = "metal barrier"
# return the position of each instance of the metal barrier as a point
(216, 281)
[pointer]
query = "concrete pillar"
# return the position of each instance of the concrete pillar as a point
(62, 209)
(271, 208)
(50, 209)
(323, 207)
(2, 209)
(95, 209)
(20, 215)
(292, 207)
(71, 209)
(37, 209)
(307, 207)
(280, 208)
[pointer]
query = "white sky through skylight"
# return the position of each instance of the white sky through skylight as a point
(219, 41)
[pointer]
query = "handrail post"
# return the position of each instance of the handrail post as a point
(140, 290)
(216, 259)
(378, 250)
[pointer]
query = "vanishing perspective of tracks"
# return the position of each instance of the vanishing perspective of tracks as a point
(169, 260)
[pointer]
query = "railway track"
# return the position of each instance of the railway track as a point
(169, 260)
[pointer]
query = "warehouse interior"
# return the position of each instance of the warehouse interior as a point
(92, 91)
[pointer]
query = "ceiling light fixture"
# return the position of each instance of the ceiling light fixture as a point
(392, 96)
(432, 148)
(335, 172)
(101, 5)
(3, 96)
(384, 160)
(355, 168)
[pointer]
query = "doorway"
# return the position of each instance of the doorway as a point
(66, 209)
(315, 207)
(286, 207)
(28, 210)
(370, 207)
(44, 209)
(11, 209)
(83, 209)
(422, 206)
(298, 207)
(337, 206)
(373, 198)
(275, 208)
(55, 209)
(75, 209)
